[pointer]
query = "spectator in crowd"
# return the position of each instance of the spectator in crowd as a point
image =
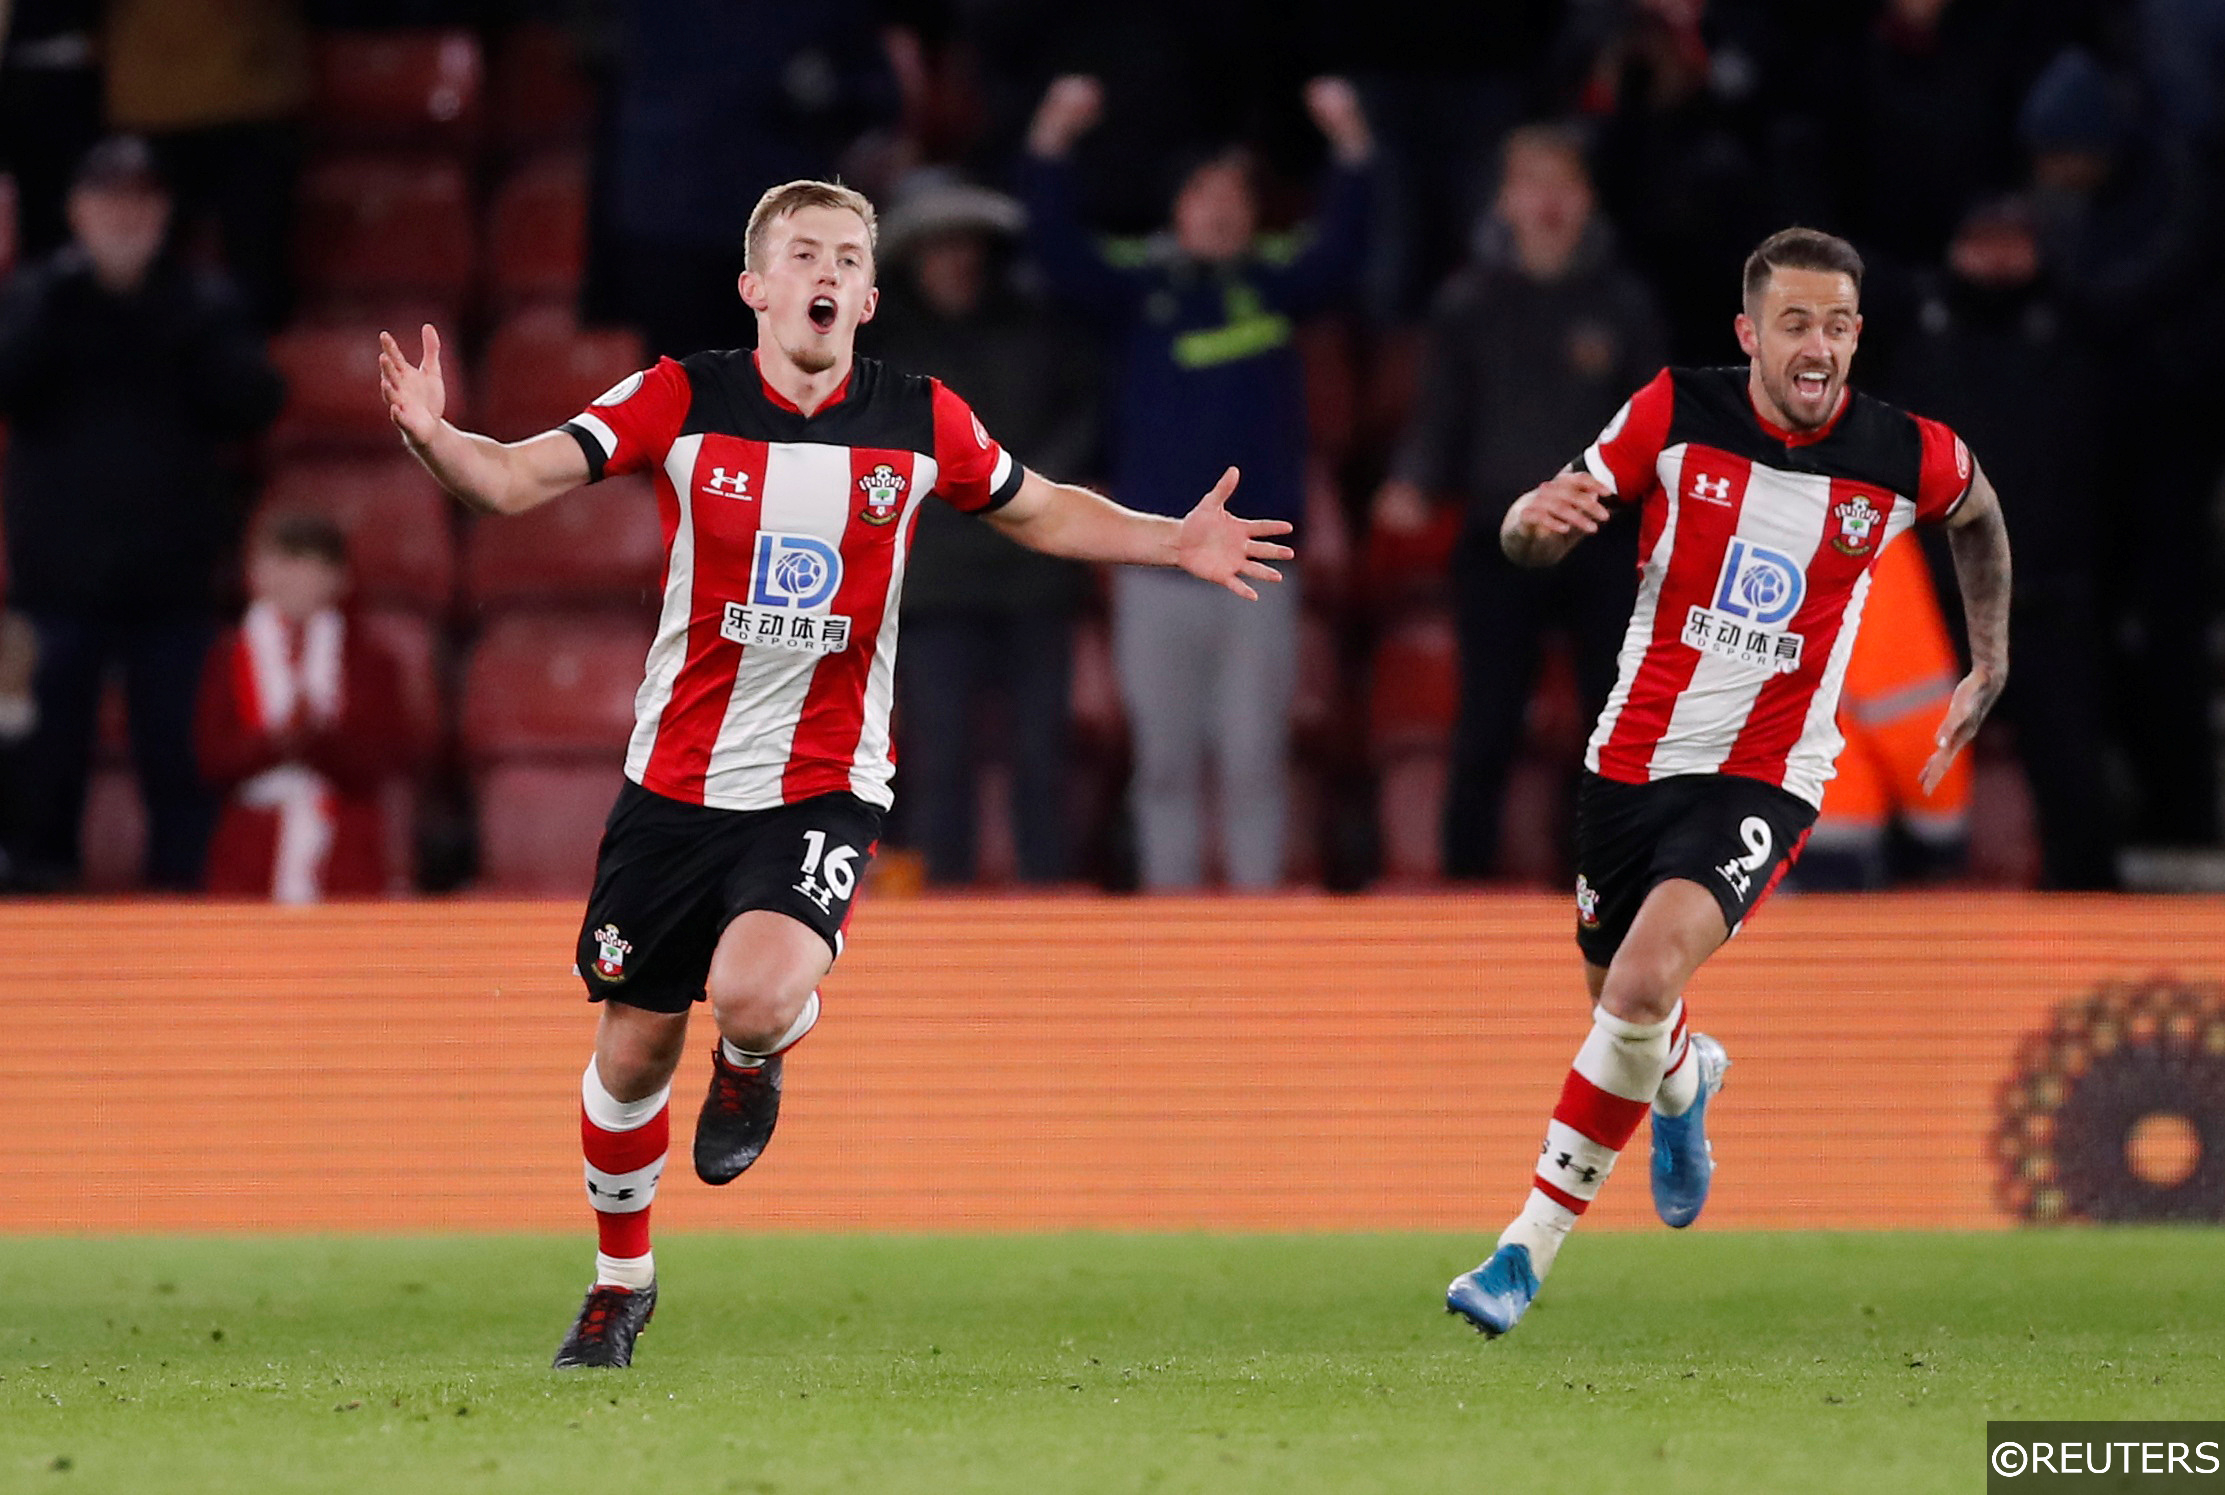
(301, 725)
(2129, 232)
(1530, 350)
(1677, 172)
(713, 102)
(985, 621)
(215, 87)
(1996, 355)
(1877, 825)
(121, 375)
(1208, 377)
(50, 109)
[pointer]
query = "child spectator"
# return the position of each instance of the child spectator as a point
(301, 722)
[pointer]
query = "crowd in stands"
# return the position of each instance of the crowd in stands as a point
(1398, 263)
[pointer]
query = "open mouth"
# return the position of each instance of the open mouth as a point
(822, 312)
(1811, 383)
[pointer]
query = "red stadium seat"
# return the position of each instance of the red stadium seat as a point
(537, 232)
(402, 87)
(539, 825)
(373, 228)
(1098, 718)
(1402, 568)
(601, 544)
(332, 388)
(401, 543)
(113, 835)
(411, 641)
(1317, 712)
(1416, 691)
(543, 368)
(1410, 816)
(554, 686)
(541, 96)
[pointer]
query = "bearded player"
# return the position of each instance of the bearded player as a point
(1764, 495)
(789, 481)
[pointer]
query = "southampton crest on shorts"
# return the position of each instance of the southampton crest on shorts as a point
(1858, 519)
(884, 488)
(610, 959)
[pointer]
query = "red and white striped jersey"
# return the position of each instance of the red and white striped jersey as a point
(773, 669)
(1754, 555)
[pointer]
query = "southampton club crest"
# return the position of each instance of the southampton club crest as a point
(610, 959)
(884, 488)
(1858, 520)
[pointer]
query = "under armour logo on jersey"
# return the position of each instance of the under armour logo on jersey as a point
(1711, 490)
(736, 486)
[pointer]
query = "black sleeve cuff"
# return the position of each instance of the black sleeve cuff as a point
(1008, 490)
(588, 445)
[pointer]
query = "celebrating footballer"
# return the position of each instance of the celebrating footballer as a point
(789, 480)
(1764, 495)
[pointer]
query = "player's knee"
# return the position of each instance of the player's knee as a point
(754, 1011)
(1642, 988)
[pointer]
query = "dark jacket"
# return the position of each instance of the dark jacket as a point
(1033, 383)
(116, 408)
(1209, 376)
(1520, 374)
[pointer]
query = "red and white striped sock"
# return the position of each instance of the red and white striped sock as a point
(625, 1143)
(1680, 1086)
(1616, 1074)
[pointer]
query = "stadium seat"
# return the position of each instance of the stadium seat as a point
(401, 543)
(1415, 693)
(1401, 568)
(1410, 816)
(113, 835)
(371, 228)
(1317, 713)
(539, 825)
(413, 87)
(411, 641)
(537, 232)
(602, 544)
(552, 686)
(1332, 389)
(539, 92)
(543, 368)
(1098, 718)
(332, 388)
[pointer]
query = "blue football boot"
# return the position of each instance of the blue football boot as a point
(1495, 1295)
(1683, 1162)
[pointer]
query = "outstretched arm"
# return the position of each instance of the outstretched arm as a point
(1550, 520)
(1979, 539)
(491, 476)
(1210, 543)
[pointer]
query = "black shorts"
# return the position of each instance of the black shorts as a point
(1735, 837)
(671, 876)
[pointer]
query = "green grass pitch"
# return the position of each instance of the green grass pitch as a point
(1050, 1364)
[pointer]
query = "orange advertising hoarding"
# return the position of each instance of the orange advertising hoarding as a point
(1299, 1063)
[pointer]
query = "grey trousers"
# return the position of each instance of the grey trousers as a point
(1206, 676)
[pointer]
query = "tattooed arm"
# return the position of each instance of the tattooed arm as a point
(1979, 539)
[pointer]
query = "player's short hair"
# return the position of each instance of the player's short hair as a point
(790, 197)
(304, 532)
(1801, 249)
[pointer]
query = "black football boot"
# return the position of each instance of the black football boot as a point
(610, 1321)
(737, 1119)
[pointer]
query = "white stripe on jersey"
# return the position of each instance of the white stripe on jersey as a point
(1788, 512)
(670, 649)
(872, 769)
(1653, 571)
(997, 476)
(595, 426)
(807, 492)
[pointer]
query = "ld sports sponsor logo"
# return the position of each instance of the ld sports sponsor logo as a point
(792, 578)
(1757, 591)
